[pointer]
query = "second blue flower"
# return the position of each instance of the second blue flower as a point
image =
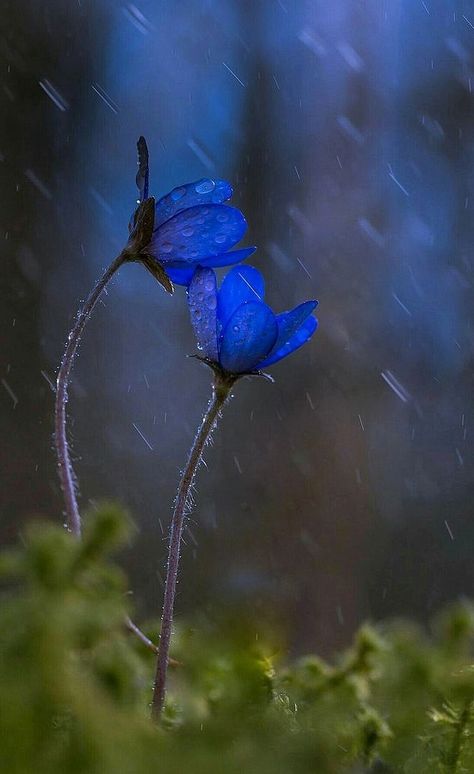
(235, 329)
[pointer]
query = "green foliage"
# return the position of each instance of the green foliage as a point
(75, 685)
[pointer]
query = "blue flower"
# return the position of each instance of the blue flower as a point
(235, 330)
(194, 227)
(188, 227)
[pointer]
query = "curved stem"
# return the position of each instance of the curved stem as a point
(220, 394)
(65, 470)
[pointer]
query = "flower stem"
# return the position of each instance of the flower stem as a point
(220, 393)
(65, 470)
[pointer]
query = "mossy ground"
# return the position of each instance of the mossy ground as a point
(75, 686)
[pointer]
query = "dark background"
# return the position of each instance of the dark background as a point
(345, 489)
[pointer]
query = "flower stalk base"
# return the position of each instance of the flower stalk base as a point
(221, 389)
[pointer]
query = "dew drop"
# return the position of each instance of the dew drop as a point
(204, 186)
(211, 302)
(177, 194)
(166, 247)
(219, 238)
(223, 217)
(188, 231)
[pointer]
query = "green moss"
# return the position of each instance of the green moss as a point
(75, 685)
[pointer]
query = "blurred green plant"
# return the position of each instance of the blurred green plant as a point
(75, 685)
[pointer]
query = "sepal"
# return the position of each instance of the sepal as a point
(157, 271)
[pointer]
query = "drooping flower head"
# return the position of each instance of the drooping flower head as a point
(235, 330)
(190, 226)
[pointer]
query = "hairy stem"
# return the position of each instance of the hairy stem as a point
(65, 470)
(220, 394)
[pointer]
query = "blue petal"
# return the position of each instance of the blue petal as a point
(202, 301)
(205, 191)
(241, 284)
(228, 259)
(180, 276)
(197, 233)
(297, 340)
(248, 337)
(184, 276)
(289, 322)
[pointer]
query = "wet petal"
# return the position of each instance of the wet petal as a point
(248, 337)
(289, 322)
(202, 301)
(241, 284)
(180, 276)
(198, 233)
(204, 191)
(217, 261)
(297, 340)
(228, 259)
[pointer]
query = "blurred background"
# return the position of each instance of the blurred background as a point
(345, 490)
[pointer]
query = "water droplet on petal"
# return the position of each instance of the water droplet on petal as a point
(177, 194)
(219, 238)
(166, 247)
(211, 302)
(188, 231)
(205, 186)
(222, 217)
